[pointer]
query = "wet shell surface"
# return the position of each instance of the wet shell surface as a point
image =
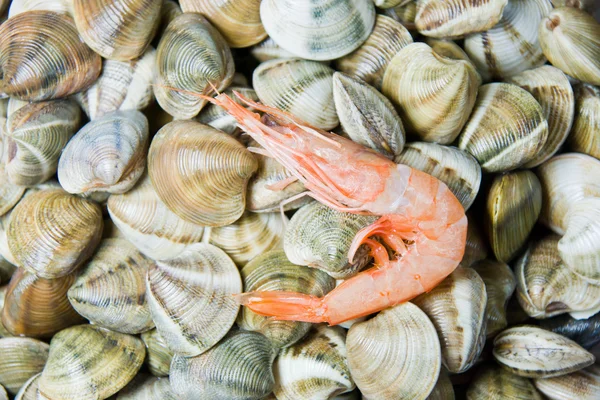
(158, 355)
(145, 387)
(87, 362)
(586, 331)
(506, 129)
(238, 368)
(584, 136)
(42, 57)
(476, 246)
(580, 385)
(314, 368)
(319, 30)
(434, 94)
(394, 355)
(29, 390)
(272, 271)
(21, 359)
(493, 382)
(191, 300)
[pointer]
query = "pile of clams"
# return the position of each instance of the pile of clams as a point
(132, 209)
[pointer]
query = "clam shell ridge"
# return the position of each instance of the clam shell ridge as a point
(584, 137)
(158, 354)
(21, 359)
(583, 384)
(493, 382)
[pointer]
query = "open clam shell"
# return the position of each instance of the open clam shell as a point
(21, 359)
(158, 354)
(493, 382)
(584, 135)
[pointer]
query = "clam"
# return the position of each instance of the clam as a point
(191, 300)
(551, 88)
(191, 56)
(447, 48)
(456, 168)
(218, 118)
(533, 352)
(476, 245)
(493, 382)
(394, 355)
(108, 154)
(38, 307)
(318, 30)
(434, 94)
(122, 85)
(390, 3)
(145, 387)
(443, 389)
(513, 206)
(273, 271)
(87, 362)
(158, 354)
(10, 194)
(586, 331)
(457, 309)
(200, 173)
(59, 6)
(51, 233)
(42, 57)
(579, 385)
(584, 135)
(35, 136)
(320, 237)
(512, 45)
(367, 116)
(238, 368)
(316, 367)
(149, 225)
(269, 50)
(302, 88)
(507, 128)
(251, 235)
(455, 18)
(21, 359)
(238, 21)
(370, 60)
(405, 14)
(169, 11)
(570, 38)
(582, 4)
(29, 390)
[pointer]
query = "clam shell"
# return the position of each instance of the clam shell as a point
(218, 118)
(302, 88)
(394, 355)
(238, 368)
(169, 10)
(319, 30)
(87, 362)
(493, 382)
(390, 3)
(585, 332)
(3, 331)
(59, 6)
(580, 385)
(51, 233)
(29, 390)
(434, 94)
(273, 271)
(584, 135)
(405, 14)
(507, 128)
(42, 57)
(145, 387)
(21, 359)
(476, 244)
(158, 354)
(447, 48)
(551, 88)
(191, 300)
(10, 194)
(316, 367)
(191, 56)
(6, 270)
(456, 168)
(269, 50)
(443, 389)
(370, 60)
(533, 352)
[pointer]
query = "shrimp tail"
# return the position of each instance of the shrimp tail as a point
(285, 306)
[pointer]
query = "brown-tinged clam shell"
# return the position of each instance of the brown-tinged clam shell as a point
(584, 135)
(405, 14)
(579, 385)
(21, 359)
(493, 382)
(158, 354)
(447, 48)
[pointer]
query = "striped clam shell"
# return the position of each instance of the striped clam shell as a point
(21, 359)
(29, 390)
(493, 382)
(158, 355)
(145, 387)
(447, 48)
(581, 385)
(10, 194)
(584, 136)
(404, 13)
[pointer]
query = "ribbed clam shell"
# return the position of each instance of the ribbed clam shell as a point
(367, 116)
(370, 60)
(218, 118)
(200, 173)
(87, 362)
(237, 368)
(10, 194)
(191, 55)
(443, 389)
(493, 382)
(514, 203)
(447, 48)
(585, 332)
(149, 225)
(511, 46)
(320, 237)
(42, 57)
(314, 368)
(507, 128)
(434, 94)
(3, 331)
(390, 3)
(405, 14)
(551, 88)
(269, 50)
(455, 18)
(21, 359)
(158, 354)
(38, 307)
(117, 29)
(273, 271)
(4, 249)
(457, 309)
(302, 88)
(476, 248)
(580, 385)
(145, 387)
(251, 235)
(533, 352)
(122, 85)
(318, 30)
(456, 168)
(570, 38)
(36, 134)
(238, 21)
(394, 355)
(169, 11)
(584, 136)
(191, 300)
(108, 154)
(59, 6)
(52, 232)
(29, 390)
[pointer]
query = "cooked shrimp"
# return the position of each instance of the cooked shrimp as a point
(421, 220)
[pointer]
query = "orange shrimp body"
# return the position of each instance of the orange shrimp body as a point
(421, 220)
